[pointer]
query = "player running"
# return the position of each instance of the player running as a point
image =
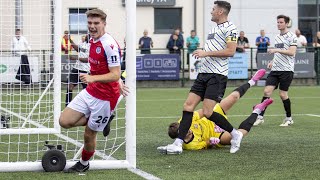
(203, 133)
(93, 106)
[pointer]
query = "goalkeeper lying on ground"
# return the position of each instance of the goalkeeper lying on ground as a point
(204, 134)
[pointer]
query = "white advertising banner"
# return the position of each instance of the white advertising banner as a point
(9, 67)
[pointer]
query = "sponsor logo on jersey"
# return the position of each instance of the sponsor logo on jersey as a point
(111, 46)
(93, 61)
(98, 50)
(280, 45)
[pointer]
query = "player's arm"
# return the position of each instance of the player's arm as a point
(229, 51)
(85, 60)
(74, 45)
(289, 52)
(113, 75)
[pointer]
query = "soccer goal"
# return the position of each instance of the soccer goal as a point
(34, 81)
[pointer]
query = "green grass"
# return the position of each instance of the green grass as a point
(269, 152)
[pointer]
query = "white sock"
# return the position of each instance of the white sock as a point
(257, 111)
(260, 117)
(251, 82)
(234, 133)
(85, 163)
(178, 142)
(289, 118)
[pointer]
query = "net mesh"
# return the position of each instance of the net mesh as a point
(27, 99)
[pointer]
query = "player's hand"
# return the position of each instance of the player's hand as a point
(218, 129)
(124, 90)
(272, 51)
(214, 141)
(199, 53)
(86, 78)
(269, 66)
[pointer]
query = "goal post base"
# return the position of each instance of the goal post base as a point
(36, 166)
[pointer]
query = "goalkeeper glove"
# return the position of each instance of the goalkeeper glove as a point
(214, 141)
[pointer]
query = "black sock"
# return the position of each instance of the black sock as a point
(243, 89)
(185, 124)
(262, 112)
(287, 107)
(248, 123)
(221, 121)
(68, 97)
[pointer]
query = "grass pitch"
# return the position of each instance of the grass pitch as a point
(268, 152)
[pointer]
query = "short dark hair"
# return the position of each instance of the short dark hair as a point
(225, 5)
(173, 130)
(18, 30)
(193, 31)
(97, 13)
(286, 18)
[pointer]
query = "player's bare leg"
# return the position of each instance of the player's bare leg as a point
(70, 118)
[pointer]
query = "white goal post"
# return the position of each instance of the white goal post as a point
(30, 111)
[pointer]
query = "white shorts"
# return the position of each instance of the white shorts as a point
(98, 111)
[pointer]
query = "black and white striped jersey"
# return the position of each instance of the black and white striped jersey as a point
(282, 62)
(217, 40)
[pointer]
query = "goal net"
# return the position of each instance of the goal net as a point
(34, 79)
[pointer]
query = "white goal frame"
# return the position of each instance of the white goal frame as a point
(130, 114)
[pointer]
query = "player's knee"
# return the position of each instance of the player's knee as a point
(267, 93)
(283, 95)
(64, 123)
(235, 96)
(188, 106)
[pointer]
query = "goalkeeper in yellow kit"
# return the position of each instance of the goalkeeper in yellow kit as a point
(204, 134)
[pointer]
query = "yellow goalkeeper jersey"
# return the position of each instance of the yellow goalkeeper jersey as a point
(202, 129)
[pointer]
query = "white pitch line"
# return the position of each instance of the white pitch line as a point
(237, 115)
(157, 100)
(143, 174)
(313, 115)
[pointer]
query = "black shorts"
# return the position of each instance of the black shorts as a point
(74, 77)
(282, 79)
(210, 86)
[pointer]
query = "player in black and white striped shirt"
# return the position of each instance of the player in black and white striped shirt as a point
(282, 68)
(211, 81)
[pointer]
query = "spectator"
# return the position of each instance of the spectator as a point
(179, 34)
(174, 45)
(66, 47)
(19, 44)
(301, 42)
(20, 47)
(317, 40)
(242, 43)
(262, 42)
(192, 43)
(145, 43)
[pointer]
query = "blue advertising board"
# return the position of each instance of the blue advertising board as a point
(238, 66)
(158, 67)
